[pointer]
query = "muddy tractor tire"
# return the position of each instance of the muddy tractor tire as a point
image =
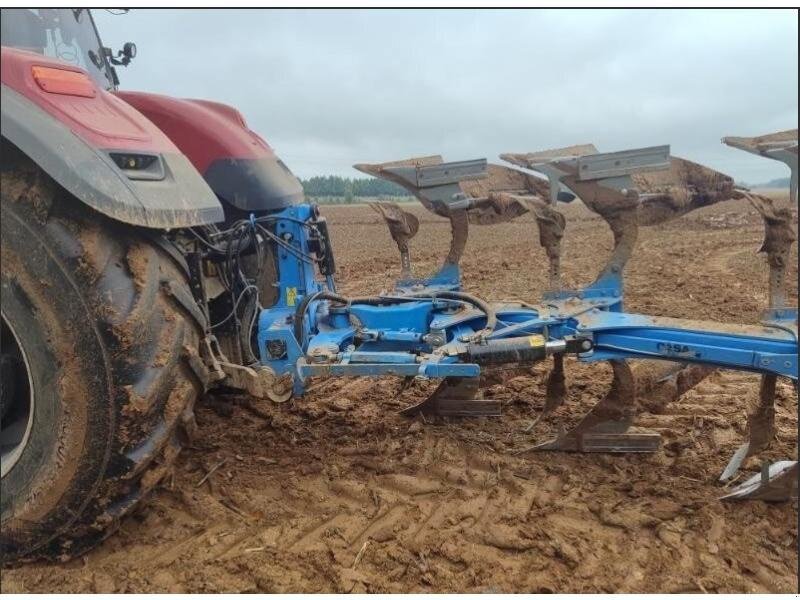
(100, 369)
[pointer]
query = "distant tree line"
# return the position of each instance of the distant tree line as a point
(334, 186)
(782, 182)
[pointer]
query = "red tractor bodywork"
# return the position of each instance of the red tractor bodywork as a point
(237, 163)
(102, 120)
(204, 131)
(190, 138)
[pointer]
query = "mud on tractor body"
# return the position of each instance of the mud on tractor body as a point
(161, 250)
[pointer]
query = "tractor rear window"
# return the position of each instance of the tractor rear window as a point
(64, 33)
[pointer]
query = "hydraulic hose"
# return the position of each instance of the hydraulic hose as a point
(491, 317)
(302, 308)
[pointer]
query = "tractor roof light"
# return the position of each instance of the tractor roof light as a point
(64, 81)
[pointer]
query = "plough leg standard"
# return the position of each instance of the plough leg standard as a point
(429, 328)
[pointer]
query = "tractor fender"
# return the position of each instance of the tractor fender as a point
(72, 140)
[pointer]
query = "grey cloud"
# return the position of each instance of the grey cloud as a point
(329, 88)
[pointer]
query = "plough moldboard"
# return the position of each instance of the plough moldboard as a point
(428, 328)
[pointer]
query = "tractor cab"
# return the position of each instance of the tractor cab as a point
(68, 34)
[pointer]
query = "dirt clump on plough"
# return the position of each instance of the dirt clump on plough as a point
(337, 492)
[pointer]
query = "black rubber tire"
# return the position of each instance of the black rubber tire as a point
(114, 363)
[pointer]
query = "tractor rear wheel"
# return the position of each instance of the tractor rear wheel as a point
(99, 364)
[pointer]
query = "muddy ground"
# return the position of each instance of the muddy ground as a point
(337, 492)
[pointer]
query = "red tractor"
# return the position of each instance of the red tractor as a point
(101, 329)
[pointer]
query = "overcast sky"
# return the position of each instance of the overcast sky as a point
(329, 88)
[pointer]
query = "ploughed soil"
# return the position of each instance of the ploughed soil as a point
(337, 492)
